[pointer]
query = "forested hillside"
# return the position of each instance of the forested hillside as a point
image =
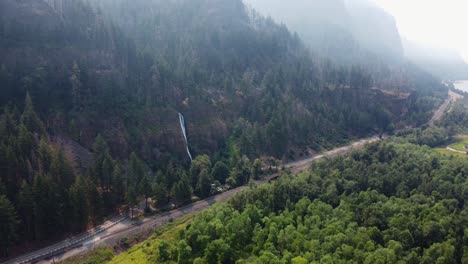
(220, 65)
(90, 92)
(393, 202)
(346, 31)
(351, 32)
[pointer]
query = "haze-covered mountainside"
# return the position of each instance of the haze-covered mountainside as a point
(353, 32)
(348, 31)
(323, 25)
(375, 29)
(444, 63)
(71, 61)
(90, 94)
(212, 60)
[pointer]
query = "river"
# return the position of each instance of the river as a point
(461, 85)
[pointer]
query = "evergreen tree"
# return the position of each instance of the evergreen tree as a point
(30, 119)
(100, 154)
(199, 164)
(61, 170)
(220, 172)
(3, 190)
(45, 156)
(160, 194)
(8, 225)
(107, 170)
(131, 198)
(26, 209)
(41, 206)
(257, 169)
(136, 170)
(182, 191)
(145, 189)
(76, 87)
(204, 184)
(118, 182)
(79, 204)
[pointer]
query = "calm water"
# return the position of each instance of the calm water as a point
(461, 85)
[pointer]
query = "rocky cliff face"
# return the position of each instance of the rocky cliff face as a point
(238, 78)
(349, 31)
(375, 29)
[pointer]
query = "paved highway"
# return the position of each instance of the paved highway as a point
(452, 97)
(115, 229)
(120, 227)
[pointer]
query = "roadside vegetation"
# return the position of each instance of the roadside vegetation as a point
(398, 201)
(393, 202)
(98, 255)
(90, 94)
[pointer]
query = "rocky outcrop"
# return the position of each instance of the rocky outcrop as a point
(375, 29)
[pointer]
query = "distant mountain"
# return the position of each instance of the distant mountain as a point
(347, 31)
(444, 63)
(375, 29)
(140, 62)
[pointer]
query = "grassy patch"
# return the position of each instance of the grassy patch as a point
(147, 251)
(457, 143)
(461, 142)
(450, 153)
(96, 256)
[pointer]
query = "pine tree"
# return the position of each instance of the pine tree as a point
(182, 191)
(30, 119)
(8, 124)
(145, 189)
(136, 169)
(44, 156)
(118, 184)
(61, 170)
(159, 194)
(220, 172)
(3, 190)
(79, 204)
(40, 191)
(257, 169)
(94, 200)
(204, 184)
(8, 225)
(132, 199)
(76, 87)
(107, 171)
(26, 209)
(100, 153)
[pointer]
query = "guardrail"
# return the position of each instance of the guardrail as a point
(63, 246)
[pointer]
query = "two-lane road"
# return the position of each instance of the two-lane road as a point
(110, 233)
(127, 228)
(439, 113)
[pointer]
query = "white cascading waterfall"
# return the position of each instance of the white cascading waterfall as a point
(182, 126)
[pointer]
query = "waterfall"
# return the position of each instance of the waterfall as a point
(182, 126)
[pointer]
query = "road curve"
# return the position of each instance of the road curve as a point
(452, 97)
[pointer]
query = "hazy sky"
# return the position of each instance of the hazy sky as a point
(440, 23)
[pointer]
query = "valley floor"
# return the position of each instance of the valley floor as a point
(127, 228)
(112, 232)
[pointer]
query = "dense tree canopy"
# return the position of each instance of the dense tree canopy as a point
(90, 92)
(392, 202)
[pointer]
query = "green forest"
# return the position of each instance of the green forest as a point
(393, 202)
(90, 92)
